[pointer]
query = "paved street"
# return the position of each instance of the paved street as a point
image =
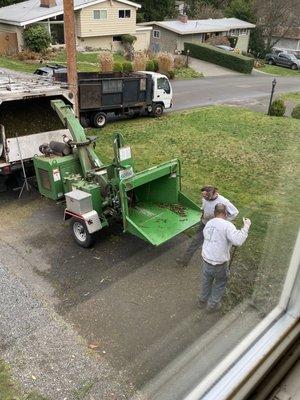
(206, 91)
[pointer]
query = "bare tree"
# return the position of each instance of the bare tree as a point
(276, 18)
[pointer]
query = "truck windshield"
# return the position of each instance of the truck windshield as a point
(163, 83)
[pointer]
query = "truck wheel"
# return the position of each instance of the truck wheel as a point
(81, 234)
(99, 120)
(294, 66)
(158, 110)
(85, 121)
(271, 62)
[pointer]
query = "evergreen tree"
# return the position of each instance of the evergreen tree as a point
(156, 10)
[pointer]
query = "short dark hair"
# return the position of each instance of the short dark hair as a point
(220, 209)
(209, 189)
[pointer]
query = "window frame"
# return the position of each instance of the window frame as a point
(242, 368)
(153, 33)
(124, 9)
(99, 19)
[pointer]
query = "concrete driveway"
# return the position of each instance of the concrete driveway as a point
(209, 69)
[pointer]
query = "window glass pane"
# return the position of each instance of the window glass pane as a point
(96, 14)
(162, 83)
(143, 83)
(121, 14)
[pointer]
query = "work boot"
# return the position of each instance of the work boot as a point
(181, 263)
(202, 304)
(210, 309)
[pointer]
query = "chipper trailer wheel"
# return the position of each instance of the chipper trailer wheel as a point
(99, 119)
(81, 234)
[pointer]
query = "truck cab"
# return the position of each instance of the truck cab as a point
(162, 89)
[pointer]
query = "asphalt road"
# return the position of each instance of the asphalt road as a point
(206, 91)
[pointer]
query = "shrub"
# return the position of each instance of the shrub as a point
(155, 63)
(139, 61)
(127, 66)
(180, 62)
(171, 74)
(106, 61)
(118, 67)
(277, 108)
(36, 38)
(150, 65)
(27, 55)
(218, 40)
(165, 62)
(296, 112)
(205, 52)
(127, 42)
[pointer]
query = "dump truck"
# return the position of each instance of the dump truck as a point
(122, 94)
(149, 203)
(24, 106)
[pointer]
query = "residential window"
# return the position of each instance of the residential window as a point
(117, 38)
(99, 14)
(112, 86)
(124, 13)
(156, 34)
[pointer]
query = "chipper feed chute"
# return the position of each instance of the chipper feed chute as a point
(154, 208)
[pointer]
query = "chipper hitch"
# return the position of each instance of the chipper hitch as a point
(150, 203)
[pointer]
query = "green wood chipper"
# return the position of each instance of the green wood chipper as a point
(149, 203)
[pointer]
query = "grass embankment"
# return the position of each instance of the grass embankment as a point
(9, 391)
(278, 71)
(293, 97)
(253, 159)
(86, 62)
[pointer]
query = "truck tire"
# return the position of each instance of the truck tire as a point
(81, 234)
(99, 119)
(294, 66)
(271, 62)
(158, 110)
(85, 121)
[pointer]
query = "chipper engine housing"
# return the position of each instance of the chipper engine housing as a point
(150, 203)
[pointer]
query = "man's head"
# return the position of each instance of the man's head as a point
(220, 211)
(209, 192)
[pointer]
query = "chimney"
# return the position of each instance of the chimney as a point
(183, 18)
(48, 3)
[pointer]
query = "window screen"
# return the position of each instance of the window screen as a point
(112, 86)
(99, 14)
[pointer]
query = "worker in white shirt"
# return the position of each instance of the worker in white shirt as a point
(219, 235)
(210, 197)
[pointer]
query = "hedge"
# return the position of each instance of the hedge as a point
(206, 52)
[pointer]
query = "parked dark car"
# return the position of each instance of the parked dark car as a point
(283, 60)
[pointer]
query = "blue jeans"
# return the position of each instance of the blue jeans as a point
(214, 280)
(195, 244)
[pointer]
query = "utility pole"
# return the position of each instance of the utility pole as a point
(70, 40)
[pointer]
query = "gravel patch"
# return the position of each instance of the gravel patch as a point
(46, 354)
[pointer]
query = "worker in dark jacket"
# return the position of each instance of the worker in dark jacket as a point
(210, 197)
(219, 236)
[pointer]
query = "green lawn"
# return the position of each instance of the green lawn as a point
(86, 62)
(278, 71)
(293, 97)
(252, 158)
(9, 390)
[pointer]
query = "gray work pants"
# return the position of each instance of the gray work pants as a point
(214, 280)
(195, 244)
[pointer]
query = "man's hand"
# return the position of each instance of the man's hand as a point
(247, 223)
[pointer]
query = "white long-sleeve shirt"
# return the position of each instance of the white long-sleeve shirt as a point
(219, 236)
(208, 207)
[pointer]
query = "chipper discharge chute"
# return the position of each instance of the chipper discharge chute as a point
(150, 203)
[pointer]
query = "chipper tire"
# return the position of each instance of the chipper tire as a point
(81, 234)
(99, 119)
